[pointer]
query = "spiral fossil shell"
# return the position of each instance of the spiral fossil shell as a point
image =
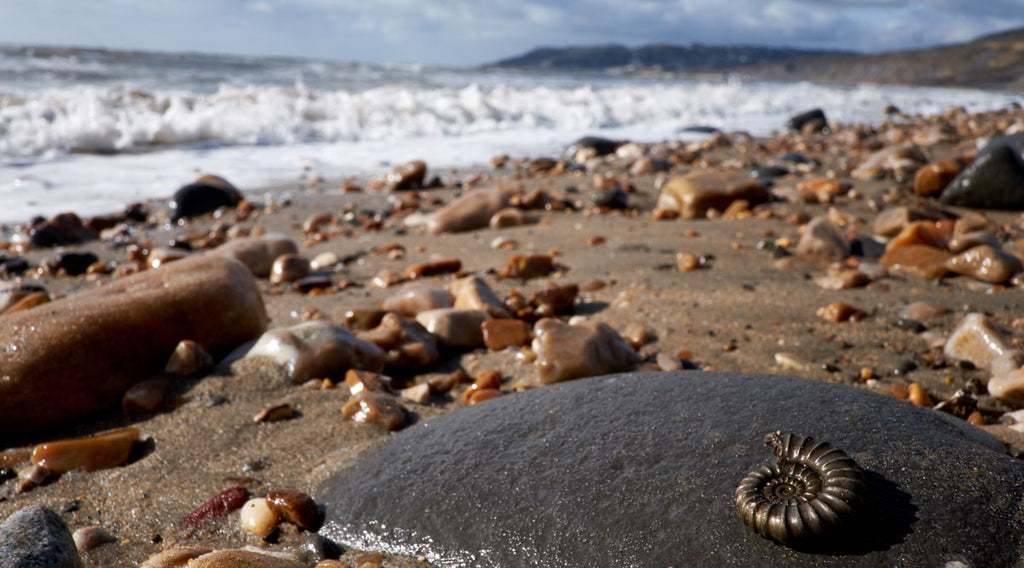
(809, 492)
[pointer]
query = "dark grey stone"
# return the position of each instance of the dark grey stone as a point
(602, 146)
(200, 198)
(814, 117)
(36, 537)
(640, 470)
(994, 180)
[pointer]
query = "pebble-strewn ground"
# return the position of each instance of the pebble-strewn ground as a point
(839, 264)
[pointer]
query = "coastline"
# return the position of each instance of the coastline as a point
(738, 310)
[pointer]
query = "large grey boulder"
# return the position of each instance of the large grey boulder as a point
(640, 470)
(36, 537)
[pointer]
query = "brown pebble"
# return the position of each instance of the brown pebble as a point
(386, 278)
(188, 358)
(925, 261)
(527, 266)
(296, 508)
(28, 302)
(900, 391)
(687, 261)
(481, 395)
(377, 408)
(433, 268)
(985, 263)
(237, 558)
(102, 451)
(314, 222)
(918, 397)
(593, 286)
(554, 300)
(174, 558)
(225, 502)
(976, 418)
(289, 268)
(443, 383)
(934, 177)
(636, 335)
(144, 397)
(359, 380)
(275, 413)
(88, 538)
(502, 333)
(362, 320)
(838, 312)
(595, 240)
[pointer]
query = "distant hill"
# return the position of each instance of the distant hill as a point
(990, 62)
(673, 58)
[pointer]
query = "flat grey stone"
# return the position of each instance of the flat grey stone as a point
(640, 470)
(36, 537)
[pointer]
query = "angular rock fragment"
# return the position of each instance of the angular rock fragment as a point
(415, 299)
(978, 340)
(406, 344)
(823, 242)
(566, 352)
(472, 292)
(985, 263)
(313, 350)
(455, 327)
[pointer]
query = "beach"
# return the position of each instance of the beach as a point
(727, 289)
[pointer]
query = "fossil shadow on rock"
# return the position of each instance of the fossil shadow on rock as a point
(887, 518)
(640, 469)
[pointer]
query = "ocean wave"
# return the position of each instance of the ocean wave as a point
(123, 118)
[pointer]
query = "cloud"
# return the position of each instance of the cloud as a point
(472, 32)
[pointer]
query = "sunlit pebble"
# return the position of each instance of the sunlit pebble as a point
(417, 393)
(791, 362)
(503, 243)
(257, 517)
(88, 538)
(189, 357)
(275, 413)
(917, 396)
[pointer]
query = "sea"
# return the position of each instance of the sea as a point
(91, 130)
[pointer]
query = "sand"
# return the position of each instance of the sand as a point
(736, 313)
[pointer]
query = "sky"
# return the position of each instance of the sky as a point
(471, 32)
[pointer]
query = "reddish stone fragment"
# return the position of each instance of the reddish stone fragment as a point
(296, 508)
(502, 333)
(227, 501)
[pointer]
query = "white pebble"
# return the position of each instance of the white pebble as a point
(257, 518)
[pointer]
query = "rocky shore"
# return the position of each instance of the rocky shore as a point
(186, 414)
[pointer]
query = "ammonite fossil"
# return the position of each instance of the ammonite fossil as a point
(811, 490)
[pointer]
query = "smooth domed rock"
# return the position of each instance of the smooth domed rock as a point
(641, 469)
(36, 537)
(74, 263)
(205, 195)
(258, 253)
(62, 229)
(813, 119)
(472, 210)
(693, 194)
(313, 350)
(78, 355)
(994, 180)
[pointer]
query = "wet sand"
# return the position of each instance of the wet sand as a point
(736, 312)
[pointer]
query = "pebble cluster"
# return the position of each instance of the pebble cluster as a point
(128, 311)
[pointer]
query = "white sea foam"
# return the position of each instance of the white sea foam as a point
(90, 133)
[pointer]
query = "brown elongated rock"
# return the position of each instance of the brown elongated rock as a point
(692, 195)
(296, 508)
(473, 210)
(78, 355)
(241, 559)
(107, 450)
(986, 263)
